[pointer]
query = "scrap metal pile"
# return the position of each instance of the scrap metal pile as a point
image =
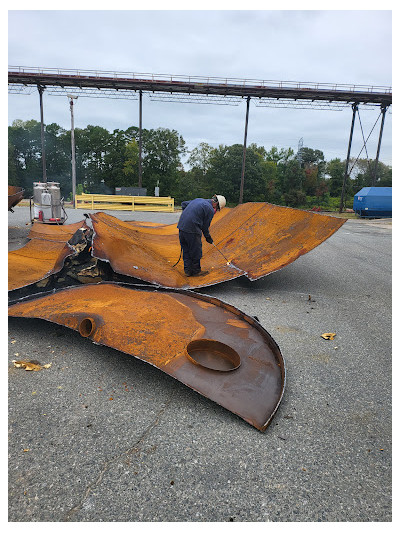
(89, 277)
(15, 195)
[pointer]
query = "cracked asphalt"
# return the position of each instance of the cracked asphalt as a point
(102, 437)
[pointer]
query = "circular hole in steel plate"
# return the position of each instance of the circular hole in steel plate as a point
(212, 354)
(87, 327)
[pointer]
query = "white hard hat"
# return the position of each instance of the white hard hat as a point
(221, 200)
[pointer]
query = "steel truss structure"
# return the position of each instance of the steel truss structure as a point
(201, 90)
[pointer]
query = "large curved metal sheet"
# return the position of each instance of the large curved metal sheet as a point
(43, 255)
(15, 195)
(255, 238)
(206, 344)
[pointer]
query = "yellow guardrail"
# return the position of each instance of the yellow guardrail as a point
(124, 203)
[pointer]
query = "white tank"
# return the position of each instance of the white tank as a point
(38, 189)
(47, 199)
(54, 190)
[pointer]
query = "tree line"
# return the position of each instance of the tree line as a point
(105, 160)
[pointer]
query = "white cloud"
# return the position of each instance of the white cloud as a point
(352, 47)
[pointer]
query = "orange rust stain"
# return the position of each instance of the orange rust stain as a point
(258, 239)
(34, 262)
(59, 233)
(42, 256)
(125, 319)
(237, 323)
(204, 305)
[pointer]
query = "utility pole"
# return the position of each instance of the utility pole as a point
(71, 106)
(244, 152)
(41, 89)
(140, 139)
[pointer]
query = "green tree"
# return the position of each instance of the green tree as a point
(200, 157)
(270, 173)
(291, 177)
(310, 157)
(225, 171)
(313, 163)
(384, 175)
(117, 160)
(162, 151)
(363, 171)
(310, 182)
(197, 183)
(12, 166)
(335, 170)
(131, 163)
(91, 147)
(25, 136)
(279, 156)
(58, 152)
(269, 161)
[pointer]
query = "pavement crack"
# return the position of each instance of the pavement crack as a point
(108, 464)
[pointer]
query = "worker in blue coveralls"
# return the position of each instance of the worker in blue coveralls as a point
(195, 221)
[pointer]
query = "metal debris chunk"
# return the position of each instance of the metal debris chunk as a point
(208, 345)
(15, 195)
(250, 240)
(256, 238)
(44, 254)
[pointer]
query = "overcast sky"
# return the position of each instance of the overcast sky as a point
(346, 47)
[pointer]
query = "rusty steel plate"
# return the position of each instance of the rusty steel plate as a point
(255, 238)
(43, 255)
(208, 345)
(15, 195)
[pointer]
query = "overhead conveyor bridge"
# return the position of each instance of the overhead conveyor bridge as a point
(200, 85)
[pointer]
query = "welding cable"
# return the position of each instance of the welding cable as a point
(178, 259)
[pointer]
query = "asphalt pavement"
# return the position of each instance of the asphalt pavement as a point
(102, 437)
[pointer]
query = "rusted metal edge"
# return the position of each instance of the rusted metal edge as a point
(15, 195)
(23, 259)
(253, 322)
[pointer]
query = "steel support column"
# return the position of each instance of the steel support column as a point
(355, 107)
(140, 138)
(383, 110)
(41, 89)
(73, 161)
(244, 152)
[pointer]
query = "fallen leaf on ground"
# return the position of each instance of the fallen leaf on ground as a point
(30, 365)
(328, 336)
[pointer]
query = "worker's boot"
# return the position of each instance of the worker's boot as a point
(200, 273)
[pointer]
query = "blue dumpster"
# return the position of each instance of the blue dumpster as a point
(373, 202)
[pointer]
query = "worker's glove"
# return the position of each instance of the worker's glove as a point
(209, 239)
